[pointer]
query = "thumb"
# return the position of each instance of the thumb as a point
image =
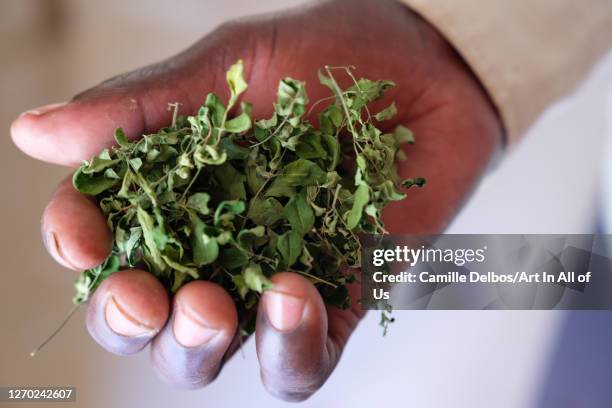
(299, 339)
(68, 133)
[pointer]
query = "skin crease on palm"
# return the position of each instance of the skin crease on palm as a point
(299, 340)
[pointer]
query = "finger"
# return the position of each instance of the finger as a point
(69, 133)
(74, 230)
(189, 351)
(299, 341)
(126, 311)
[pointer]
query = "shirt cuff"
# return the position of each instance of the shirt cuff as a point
(527, 54)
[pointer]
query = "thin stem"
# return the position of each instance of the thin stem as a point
(56, 331)
(175, 108)
(326, 99)
(190, 184)
(284, 121)
(317, 279)
(350, 74)
(342, 101)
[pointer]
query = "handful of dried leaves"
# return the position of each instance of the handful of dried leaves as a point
(219, 197)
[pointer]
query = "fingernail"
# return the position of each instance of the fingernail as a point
(284, 311)
(122, 323)
(52, 244)
(44, 109)
(189, 329)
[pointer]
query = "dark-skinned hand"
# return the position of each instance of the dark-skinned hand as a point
(299, 339)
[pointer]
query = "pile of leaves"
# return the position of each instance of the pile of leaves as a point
(220, 197)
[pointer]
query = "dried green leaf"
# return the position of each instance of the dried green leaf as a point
(239, 124)
(290, 246)
(299, 214)
(92, 184)
(403, 135)
(302, 173)
(265, 211)
(254, 278)
(233, 258)
(235, 80)
(205, 248)
(223, 197)
(386, 113)
(199, 202)
(361, 199)
(226, 210)
(121, 138)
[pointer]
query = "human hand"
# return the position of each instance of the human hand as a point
(299, 339)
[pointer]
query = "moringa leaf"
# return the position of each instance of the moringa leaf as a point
(403, 135)
(236, 82)
(362, 196)
(302, 172)
(239, 124)
(386, 113)
(92, 184)
(290, 246)
(225, 197)
(199, 202)
(205, 248)
(232, 258)
(254, 278)
(231, 181)
(299, 214)
(265, 211)
(152, 236)
(226, 211)
(121, 138)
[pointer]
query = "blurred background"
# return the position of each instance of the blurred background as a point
(553, 182)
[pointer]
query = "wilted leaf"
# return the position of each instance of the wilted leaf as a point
(254, 278)
(299, 214)
(199, 202)
(290, 246)
(235, 80)
(205, 248)
(265, 211)
(232, 199)
(239, 124)
(386, 113)
(362, 196)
